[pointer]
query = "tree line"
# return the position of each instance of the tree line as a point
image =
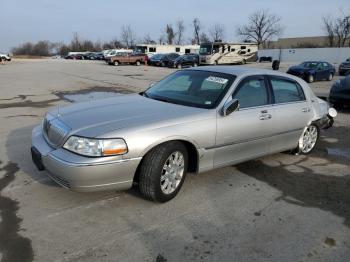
(261, 27)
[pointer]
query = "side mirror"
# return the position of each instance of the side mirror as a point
(230, 107)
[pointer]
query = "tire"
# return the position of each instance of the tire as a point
(310, 79)
(111, 63)
(330, 77)
(116, 63)
(179, 66)
(138, 63)
(162, 64)
(308, 140)
(216, 62)
(195, 64)
(152, 170)
(244, 62)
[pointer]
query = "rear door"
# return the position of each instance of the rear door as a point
(244, 134)
(292, 112)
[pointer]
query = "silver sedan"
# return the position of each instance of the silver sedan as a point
(193, 121)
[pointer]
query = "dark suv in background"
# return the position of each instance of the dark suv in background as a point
(344, 68)
(162, 59)
(185, 60)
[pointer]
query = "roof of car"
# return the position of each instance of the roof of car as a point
(240, 70)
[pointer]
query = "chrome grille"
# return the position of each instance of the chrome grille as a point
(55, 131)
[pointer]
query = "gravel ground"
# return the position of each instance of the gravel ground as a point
(276, 208)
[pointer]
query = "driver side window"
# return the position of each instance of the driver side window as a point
(252, 92)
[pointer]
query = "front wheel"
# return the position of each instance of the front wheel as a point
(330, 77)
(163, 171)
(308, 139)
(310, 78)
(195, 64)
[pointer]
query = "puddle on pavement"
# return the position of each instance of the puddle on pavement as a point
(342, 152)
(89, 96)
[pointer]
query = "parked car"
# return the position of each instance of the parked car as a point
(344, 68)
(339, 94)
(127, 58)
(5, 57)
(162, 59)
(75, 57)
(193, 120)
(313, 71)
(265, 59)
(186, 60)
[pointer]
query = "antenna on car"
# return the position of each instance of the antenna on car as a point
(58, 111)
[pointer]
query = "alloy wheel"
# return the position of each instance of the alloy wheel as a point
(172, 172)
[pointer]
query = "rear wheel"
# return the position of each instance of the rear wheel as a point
(308, 139)
(163, 171)
(138, 63)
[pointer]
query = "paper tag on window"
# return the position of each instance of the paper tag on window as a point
(207, 102)
(216, 79)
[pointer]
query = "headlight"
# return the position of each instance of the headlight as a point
(96, 147)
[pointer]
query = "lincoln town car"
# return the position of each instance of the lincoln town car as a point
(191, 121)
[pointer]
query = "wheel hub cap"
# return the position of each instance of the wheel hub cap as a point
(172, 172)
(309, 139)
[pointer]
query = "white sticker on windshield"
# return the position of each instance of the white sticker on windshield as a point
(217, 79)
(208, 102)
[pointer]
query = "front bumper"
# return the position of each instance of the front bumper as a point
(325, 122)
(79, 173)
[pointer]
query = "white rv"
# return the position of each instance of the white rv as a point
(151, 49)
(217, 53)
(113, 52)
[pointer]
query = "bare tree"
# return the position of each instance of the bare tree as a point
(196, 30)
(337, 30)
(128, 36)
(180, 28)
(75, 43)
(170, 33)
(328, 27)
(203, 38)
(217, 32)
(261, 27)
(148, 40)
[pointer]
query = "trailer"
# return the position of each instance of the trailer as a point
(218, 53)
(151, 49)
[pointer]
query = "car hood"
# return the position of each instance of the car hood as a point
(347, 64)
(95, 118)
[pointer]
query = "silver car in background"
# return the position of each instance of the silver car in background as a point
(193, 120)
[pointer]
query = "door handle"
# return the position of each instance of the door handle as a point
(305, 110)
(265, 117)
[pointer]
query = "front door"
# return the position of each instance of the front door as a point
(244, 134)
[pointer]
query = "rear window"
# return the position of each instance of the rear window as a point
(286, 91)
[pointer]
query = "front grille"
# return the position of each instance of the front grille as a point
(55, 131)
(60, 181)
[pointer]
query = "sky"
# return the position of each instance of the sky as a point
(56, 21)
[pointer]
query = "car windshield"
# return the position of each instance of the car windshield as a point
(348, 60)
(194, 88)
(205, 49)
(310, 65)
